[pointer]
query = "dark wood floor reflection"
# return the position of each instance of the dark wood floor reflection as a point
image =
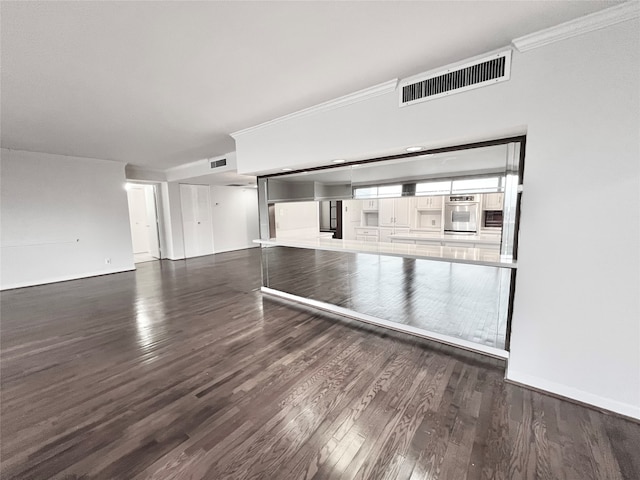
(182, 370)
(464, 301)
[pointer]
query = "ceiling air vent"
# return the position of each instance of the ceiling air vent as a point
(479, 73)
(218, 163)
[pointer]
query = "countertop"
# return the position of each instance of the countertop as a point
(478, 239)
(476, 256)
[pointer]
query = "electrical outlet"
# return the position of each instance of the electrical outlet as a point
(107, 261)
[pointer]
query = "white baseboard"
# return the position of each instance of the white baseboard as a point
(603, 403)
(245, 247)
(64, 278)
(235, 249)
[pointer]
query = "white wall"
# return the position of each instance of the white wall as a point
(61, 218)
(235, 218)
(234, 215)
(297, 220)
(576, 327)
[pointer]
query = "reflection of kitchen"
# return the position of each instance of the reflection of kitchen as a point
(469, 220)
(456, 220)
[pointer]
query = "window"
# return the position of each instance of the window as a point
(390, 191)
(472, 185)
(365, 192)
(433, 188)
(382, 191)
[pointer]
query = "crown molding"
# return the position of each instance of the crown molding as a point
(594, 21)
(343, 101)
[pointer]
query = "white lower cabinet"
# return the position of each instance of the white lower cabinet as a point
(366, 238)
(366, 234)
(402, 212)
(385, 234)
(394, 212)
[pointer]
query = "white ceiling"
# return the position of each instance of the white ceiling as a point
(160, 84)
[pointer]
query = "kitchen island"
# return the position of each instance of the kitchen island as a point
(488, 241)
(420, 249)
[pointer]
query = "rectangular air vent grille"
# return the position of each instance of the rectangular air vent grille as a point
(479, 73)
(218, 163)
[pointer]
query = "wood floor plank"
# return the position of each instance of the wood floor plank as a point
(183, 370)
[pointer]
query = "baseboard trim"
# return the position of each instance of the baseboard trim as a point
(573, 395)
(345, 312)
(65, 278)
(237, 249)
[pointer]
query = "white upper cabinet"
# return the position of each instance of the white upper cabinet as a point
(429, 203)
(492, 201)
(369, 205)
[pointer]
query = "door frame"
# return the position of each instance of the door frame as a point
(156, 212)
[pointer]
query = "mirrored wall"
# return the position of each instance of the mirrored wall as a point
(426, 242)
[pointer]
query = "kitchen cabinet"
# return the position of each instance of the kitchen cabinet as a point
(366, 234)
(394, 212)
(385, 213)
(402, 212)
(366, 238)
(429, 203)
(369, 205)
(386, 232)
(492, 201)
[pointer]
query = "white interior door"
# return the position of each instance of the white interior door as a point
(152, 221)
(138, 218)
(196, 220)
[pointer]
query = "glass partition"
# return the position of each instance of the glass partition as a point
(424, 241)
(463, 301)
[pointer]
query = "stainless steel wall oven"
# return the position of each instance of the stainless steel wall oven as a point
(461, 214)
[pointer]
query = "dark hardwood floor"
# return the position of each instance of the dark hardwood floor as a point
(182, 370)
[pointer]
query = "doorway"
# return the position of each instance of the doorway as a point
(143, 219)
(331, 217)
